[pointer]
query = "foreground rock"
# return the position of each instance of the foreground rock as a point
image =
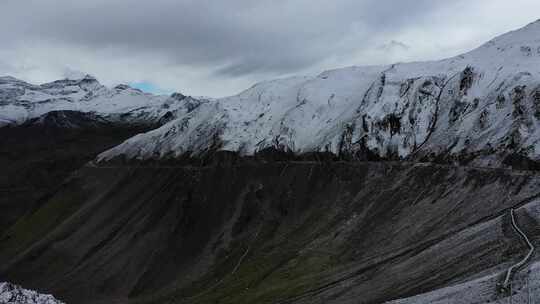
(13, 294)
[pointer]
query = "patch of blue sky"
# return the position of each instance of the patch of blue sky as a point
(149, 87)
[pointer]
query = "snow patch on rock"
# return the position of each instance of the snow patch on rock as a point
(14, 294)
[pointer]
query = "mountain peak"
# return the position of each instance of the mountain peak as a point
(76, 75)
(529, 34)
(178, 96)
(537, 22)
(89, 77)
(86, 82)
(11, 79)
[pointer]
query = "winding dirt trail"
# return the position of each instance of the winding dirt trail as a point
(526, 258)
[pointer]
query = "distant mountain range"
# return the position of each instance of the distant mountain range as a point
(21, 101)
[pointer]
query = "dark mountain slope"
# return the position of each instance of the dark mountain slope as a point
(37, 156)
(272, 232)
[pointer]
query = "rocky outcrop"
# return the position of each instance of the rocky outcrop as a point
(13, 294)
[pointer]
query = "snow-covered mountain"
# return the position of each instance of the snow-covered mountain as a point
(485, 102)
(13, 294)
(21, 101)
(483, 105)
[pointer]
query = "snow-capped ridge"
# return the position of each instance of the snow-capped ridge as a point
(21, 101)
(526, 34)
(10, 79)
(484, 103)
(86, 80)
(178, 96)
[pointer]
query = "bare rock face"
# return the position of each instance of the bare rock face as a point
(13, 294)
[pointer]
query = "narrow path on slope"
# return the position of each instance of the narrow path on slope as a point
(403, 253)
(105, 165)
(212, 287)
(525, 259)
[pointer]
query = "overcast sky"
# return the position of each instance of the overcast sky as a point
(220, 47)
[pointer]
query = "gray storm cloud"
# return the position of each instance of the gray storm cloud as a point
(232, 42)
